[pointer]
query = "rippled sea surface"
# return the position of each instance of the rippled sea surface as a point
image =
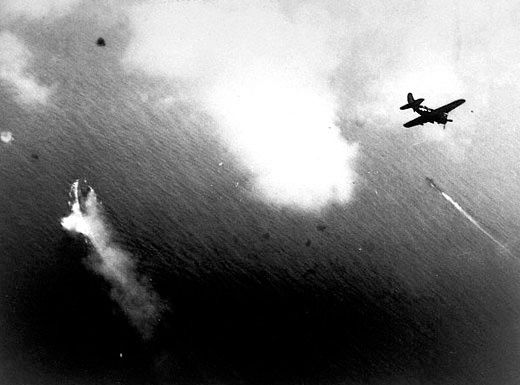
(395, 287)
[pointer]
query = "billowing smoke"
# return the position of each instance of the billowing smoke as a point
(131, 292)
(263, 73)
(263, 70)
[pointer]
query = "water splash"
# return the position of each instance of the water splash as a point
(129, 290)
(6, 136)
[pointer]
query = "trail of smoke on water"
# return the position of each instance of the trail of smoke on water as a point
(475, 223)
(141, 305)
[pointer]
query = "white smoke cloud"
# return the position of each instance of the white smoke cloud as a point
(257, 66)
(36, 9)
(263, 74)
(137, 300)
(14, 60)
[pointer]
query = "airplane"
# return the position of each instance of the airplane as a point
(428, 115)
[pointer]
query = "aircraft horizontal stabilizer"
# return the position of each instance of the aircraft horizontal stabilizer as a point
(413, 104)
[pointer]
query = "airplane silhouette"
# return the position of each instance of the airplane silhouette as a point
(428, 115)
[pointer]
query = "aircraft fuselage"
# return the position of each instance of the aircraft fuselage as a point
(435, 117)
(428, 115)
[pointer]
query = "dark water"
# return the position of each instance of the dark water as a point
(395, 287)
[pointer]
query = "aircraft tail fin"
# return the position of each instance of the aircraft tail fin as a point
(412, 103)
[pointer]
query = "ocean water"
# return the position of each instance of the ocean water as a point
(395, 287)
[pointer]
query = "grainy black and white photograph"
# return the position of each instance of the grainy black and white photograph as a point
(260, 192)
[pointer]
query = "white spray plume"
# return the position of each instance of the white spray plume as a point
(134, 296)
(263, 74)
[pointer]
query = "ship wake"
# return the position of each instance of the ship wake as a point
(131, 291)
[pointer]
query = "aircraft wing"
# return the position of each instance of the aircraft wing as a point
(450, 106)
(420, 120)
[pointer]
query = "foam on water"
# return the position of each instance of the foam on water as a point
(139, 302)
(6, 136)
